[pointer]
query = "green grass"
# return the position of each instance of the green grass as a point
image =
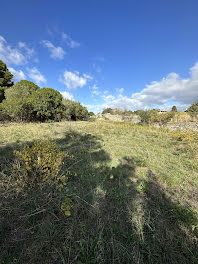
(135, 197)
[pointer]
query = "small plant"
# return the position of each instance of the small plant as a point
(38, 164)
(66, 206)
(142, 187)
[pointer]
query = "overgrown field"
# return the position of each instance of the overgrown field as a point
(132, 190)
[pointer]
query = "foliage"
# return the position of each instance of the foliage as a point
(3, 114)
(38, 164)
(66, 206)
(47, 104)
(184, 135)
(5, 80)
(2, 93)
(74, 110)
(174, 109)
(91, 114)
(107, 110)
(17, 103)
(193, 109)
(153, 116)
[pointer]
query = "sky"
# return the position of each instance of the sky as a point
(128, 54)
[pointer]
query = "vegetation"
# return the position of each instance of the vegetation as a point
(25, 101)
(74, 110)
(118, 193)
(107, 110)
(17, 103)
(47, 104)
(193, 109)
(174, 109)
(5, 79)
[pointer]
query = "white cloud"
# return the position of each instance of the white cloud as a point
(18, 75)
(15, 56)
(67, 95)
(36, 76)
(73, 80)
(94, 90)
(163, 94)
(55, 52)
(120, 90)
(24, 46)
(69, 41)
(170, 88)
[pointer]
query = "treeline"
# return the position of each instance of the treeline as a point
(153, 115)
(25, 101)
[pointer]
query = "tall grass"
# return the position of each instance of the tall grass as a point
(134, 197)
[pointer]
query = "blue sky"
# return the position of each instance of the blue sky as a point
(128, 54)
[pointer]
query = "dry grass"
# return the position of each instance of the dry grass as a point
(135, 197)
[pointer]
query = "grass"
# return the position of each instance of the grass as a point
(135, 197)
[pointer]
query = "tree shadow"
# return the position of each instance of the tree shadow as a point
(117, 217)
(170, 230)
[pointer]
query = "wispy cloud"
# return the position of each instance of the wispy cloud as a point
(69, 41)
(94, 90)
(18, 75)
(73, 80)
(67, 95)
(19, 55)
(55, 52)
(36, 76)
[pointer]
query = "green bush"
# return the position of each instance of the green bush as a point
(3, 114)
(174, 109)
(153, 116)
(17, 103)
(107, 110)
(38, 164)
(193, 109)
(47, 104)
(74, 110)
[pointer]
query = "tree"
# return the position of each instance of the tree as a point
(74, 110)
(174, 109)
(107, 110)
(91, 114)
(6, 80)
(17, 103)
(47, 104)
(193, 109)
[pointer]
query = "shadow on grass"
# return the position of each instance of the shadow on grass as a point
(117, 218)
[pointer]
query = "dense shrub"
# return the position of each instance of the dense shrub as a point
(6, 80)
(47, 104)
(107, 110)
(154, 116)
(91, 114)
(193, 109)
(74, 110)
(3, 114)
(6, 77)
(144, 115)
(174, 109)
(17, 103)
(38, 164)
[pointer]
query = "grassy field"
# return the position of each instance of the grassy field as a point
(135, 197)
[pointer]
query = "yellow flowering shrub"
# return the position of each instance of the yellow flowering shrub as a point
(184, 135)
(38, 164)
